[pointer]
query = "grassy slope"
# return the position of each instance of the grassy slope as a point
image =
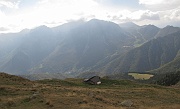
(172, 66)
(73, 94)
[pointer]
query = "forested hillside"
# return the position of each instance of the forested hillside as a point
(163, 51)
(94, 46)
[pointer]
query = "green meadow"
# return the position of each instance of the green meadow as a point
(141, 76)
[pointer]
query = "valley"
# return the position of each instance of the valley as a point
(51, 63)
(100, 46)
(89, 54)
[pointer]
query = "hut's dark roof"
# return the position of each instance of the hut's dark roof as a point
(93, 80)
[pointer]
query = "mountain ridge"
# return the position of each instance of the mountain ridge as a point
(149, 56)
(95, 45)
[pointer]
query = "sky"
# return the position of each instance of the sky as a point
(16, 15)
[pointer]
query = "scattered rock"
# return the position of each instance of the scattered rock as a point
(51, 105)
(47, 103)
(10, 103)
(33, 96)
(127, 103)
(82, 102)
(91, 94)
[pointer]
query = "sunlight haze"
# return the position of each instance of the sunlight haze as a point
(16, 15)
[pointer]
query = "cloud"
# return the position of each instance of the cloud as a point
(173, 14)
(63, 10)
(1, 14)
(126, 16)
(19, 14)
(2, 18)
(10, 23)
(160, 5)
(150, 2)
(167, 11)
(150, 15)
(48, 12)
(9, 3)
(3, 29)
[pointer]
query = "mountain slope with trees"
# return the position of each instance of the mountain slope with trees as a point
(85, 46)
(151, 55)
(93, 46)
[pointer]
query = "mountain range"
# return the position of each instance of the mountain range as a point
(93, 46)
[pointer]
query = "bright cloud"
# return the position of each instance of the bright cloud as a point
(9, 3)
(62, 10)
(150, 2)
(16, 15)
(127, 16)
(47, 12)
(160, 4)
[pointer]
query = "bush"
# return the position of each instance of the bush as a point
(169, 79)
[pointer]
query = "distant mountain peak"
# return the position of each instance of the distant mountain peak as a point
(149, 26)
(95, 20)
(25, 30)
(128, 25)
(96, 23)
(167, 30)
(170, 27)
(41, 28)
